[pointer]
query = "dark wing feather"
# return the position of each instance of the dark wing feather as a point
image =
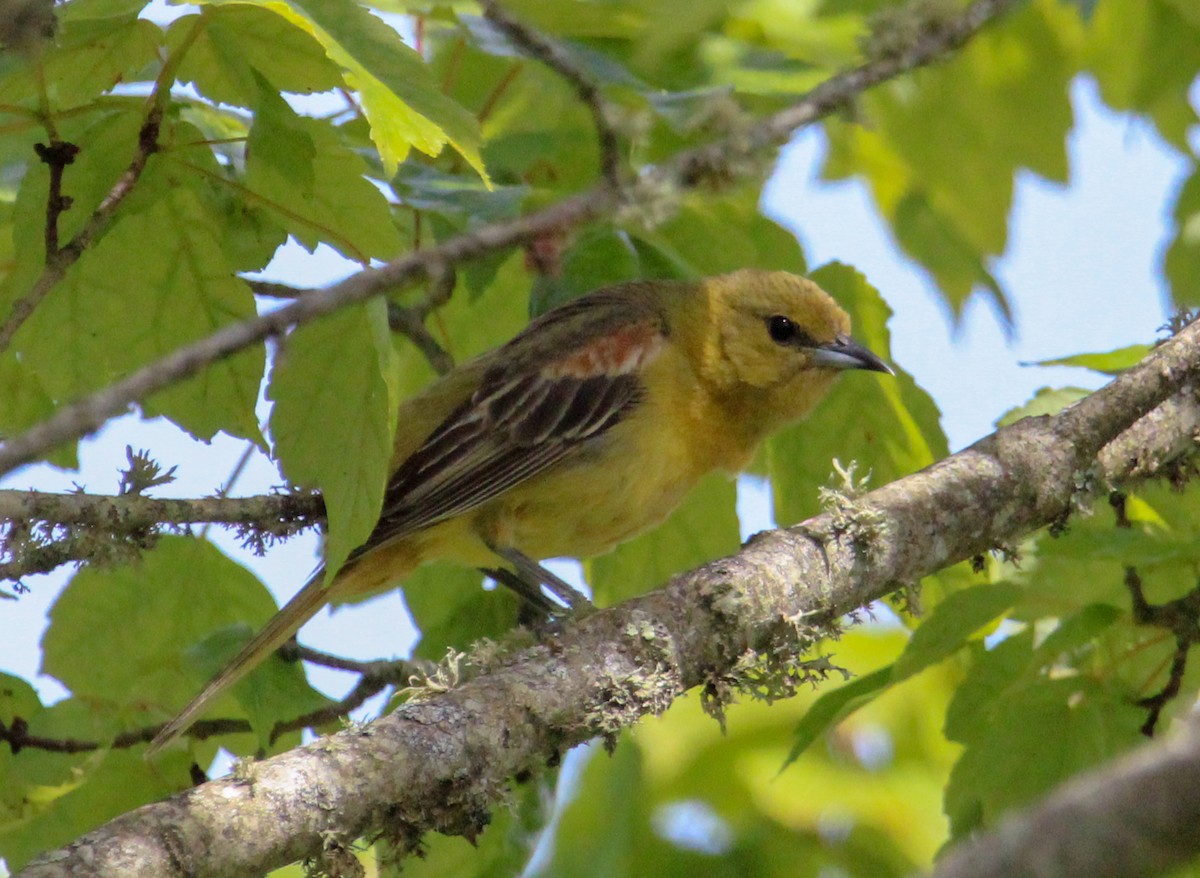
(566, 380)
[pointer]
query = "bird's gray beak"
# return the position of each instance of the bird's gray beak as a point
(845, 353)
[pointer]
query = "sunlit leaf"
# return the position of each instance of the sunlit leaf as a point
(107, 318)
(1108, 363)
(335, 391)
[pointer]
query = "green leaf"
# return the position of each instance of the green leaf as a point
(17, 699)
(108, 317)
(88, 58)
(952, 621)
(934, 240)
(299, 171)
(107, 145)
(176, 595)
(992, 672)
(1145, 57)
(1182, 260)
(1077, 632)
(895, 429)
(833, 706)
(1047, 401)
(467, 200)
(24, 403)
(239, 44)
(276, 690)
(334, 385)
(1086, 8)
(1108, 363)
(581, 19)
(452, 610)
(942, 149)
(399, 94)
(717, 235)
(1039, 734)
(704, 527)
(598, 833)
(599, 257)
(112, 783)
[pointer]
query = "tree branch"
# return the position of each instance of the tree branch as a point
(61, 259)
(127, 512)
(47, 530)
(408, 320)
(443, 759)
(688, 170)
(374, 677)
(1138, 816)
(538, 46)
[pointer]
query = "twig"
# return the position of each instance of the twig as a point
(1182, 618)
(234, 475)
(493, 98)
(66, 256)
(376, 676)
(56, 156)
(88, 414)
(271, 290)
(408, 320)
(63, 258)
(552, 55)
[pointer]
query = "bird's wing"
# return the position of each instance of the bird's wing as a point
(567, 379)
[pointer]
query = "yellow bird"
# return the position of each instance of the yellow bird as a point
(586, 429)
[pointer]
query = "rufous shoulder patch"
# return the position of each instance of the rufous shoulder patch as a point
(620, 352)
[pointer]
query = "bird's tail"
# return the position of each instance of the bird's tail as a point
(283, 625)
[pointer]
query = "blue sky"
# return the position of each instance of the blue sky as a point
(1082, 271)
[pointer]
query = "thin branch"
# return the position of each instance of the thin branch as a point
(549, 53)
(271, 290)
(1181, 617)
(47, 530)
(408, 320)
(1154, 446)
(375, 676)
(57, 156)
(1134, 818)
(234, 475)
(687, 170)
(493, 98)
(63, 258)
(443, 759)
(121, 514)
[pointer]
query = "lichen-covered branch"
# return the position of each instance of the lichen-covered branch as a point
(442, 760)
(136, 511)
(46, 530)
(689, 169)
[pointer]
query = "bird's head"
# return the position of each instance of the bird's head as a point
(779, 338)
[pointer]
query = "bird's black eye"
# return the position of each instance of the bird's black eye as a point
(782, 329)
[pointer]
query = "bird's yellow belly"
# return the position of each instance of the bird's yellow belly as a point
(561, 517)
